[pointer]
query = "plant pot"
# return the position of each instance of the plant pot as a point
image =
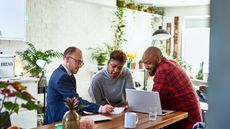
(141, 65)
(121, 3)
(71, 120)
(133, 65)
(131, 6)
(100, 66)
(4, 120)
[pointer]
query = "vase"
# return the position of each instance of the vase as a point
(128, 65)
(71, 120)
(4, 120)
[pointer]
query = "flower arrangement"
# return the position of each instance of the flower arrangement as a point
(16, 90)
(131, 57)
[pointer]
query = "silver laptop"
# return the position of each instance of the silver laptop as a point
(143, 101)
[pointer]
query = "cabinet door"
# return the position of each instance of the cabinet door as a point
(12, 23)
(24, 119)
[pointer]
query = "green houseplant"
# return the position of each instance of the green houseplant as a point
(32, 54)
(9, 94)
(100, 55)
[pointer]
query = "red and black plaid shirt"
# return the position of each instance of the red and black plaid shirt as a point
(176, 92)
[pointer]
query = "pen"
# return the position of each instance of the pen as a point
(107, 101)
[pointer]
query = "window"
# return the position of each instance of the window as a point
(195, 42)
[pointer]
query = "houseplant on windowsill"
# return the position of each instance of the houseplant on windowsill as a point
(9, 94)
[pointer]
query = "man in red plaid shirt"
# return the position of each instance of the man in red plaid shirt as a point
(174, 86)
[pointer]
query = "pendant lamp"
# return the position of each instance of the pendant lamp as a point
(161, 34)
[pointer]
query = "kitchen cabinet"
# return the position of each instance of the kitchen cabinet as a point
(12, 19)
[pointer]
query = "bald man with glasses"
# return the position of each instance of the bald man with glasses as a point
(62, 84)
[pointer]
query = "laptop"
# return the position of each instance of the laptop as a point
(143, 101)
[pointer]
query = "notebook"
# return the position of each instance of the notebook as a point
(142, 101)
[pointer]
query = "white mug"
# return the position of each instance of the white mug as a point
(131, 120)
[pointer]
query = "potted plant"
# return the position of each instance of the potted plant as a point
(32, 54)
(200, 74)
(130, 60)
(100, 55)
(131, 5)
(141, 64)
(9, 94)
(140, 7)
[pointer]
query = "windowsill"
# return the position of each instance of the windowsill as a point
(199, 82)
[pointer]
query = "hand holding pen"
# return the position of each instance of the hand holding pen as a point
(107, 101)
(108, 107)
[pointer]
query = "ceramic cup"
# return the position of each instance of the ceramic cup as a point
(131, 120)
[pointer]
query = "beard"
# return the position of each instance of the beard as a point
(152, 71)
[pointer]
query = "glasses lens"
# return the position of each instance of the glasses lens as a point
(79, 62)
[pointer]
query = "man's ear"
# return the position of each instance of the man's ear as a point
(158, 59)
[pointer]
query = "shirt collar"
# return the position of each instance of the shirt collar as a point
(67, 70)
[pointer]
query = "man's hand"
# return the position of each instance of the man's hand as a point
(107, 108)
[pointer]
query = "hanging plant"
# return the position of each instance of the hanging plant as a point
(120, 29)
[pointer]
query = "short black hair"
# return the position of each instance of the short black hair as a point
(118, 55)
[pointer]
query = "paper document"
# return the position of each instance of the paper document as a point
(97, 117)
(117, 110)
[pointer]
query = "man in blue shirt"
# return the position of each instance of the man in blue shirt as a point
(62, 84)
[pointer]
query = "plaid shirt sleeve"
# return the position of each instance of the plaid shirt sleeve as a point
(176, 92)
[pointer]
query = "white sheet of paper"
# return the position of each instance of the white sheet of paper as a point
(117, 110)
(98, 117)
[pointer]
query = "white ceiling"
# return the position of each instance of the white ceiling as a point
(175, 3)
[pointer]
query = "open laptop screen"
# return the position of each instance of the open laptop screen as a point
(143, 101)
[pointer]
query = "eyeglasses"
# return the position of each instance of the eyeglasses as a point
(79, 62)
